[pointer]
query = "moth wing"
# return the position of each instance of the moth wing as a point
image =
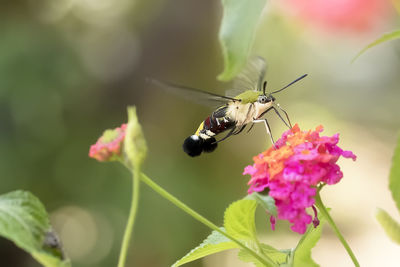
(251, 77)
(192, 94)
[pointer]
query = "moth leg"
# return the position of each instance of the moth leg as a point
(251, 127)
(279, 115)
(226, 136)
(240, 130)
(287, 116)
(268, 129)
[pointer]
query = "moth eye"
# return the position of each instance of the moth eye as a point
(262, 99)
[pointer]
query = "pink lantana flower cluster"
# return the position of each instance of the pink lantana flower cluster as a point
(109, 146)
(291, 172)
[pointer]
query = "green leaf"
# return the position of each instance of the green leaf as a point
(391, 227)
(302, 253)
(384, 38)
(24, 220)
(236, 34)
(239, 219)
(276, 255)
(49, 260)
(394, 176)
(267, 202)
(135, 147)
(214, 243)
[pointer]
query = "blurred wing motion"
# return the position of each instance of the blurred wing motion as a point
(250, 78)
(192, 94)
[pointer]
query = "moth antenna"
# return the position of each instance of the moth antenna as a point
(298, 79)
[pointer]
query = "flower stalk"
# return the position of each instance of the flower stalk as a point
(321, 207)
(162, 192)
(131, 220)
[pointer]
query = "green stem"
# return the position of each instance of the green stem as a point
(325, 213)
(264, 260)
(131, 219)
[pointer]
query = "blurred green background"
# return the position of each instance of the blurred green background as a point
(69, 68)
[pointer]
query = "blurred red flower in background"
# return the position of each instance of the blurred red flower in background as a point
(343, 15)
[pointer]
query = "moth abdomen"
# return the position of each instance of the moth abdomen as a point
(194, 145)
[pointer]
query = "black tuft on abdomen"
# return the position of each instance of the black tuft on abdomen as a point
(209, 145)
(194, 145)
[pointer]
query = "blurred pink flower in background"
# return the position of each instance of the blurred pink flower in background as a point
(341, 15)
(109, 146)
